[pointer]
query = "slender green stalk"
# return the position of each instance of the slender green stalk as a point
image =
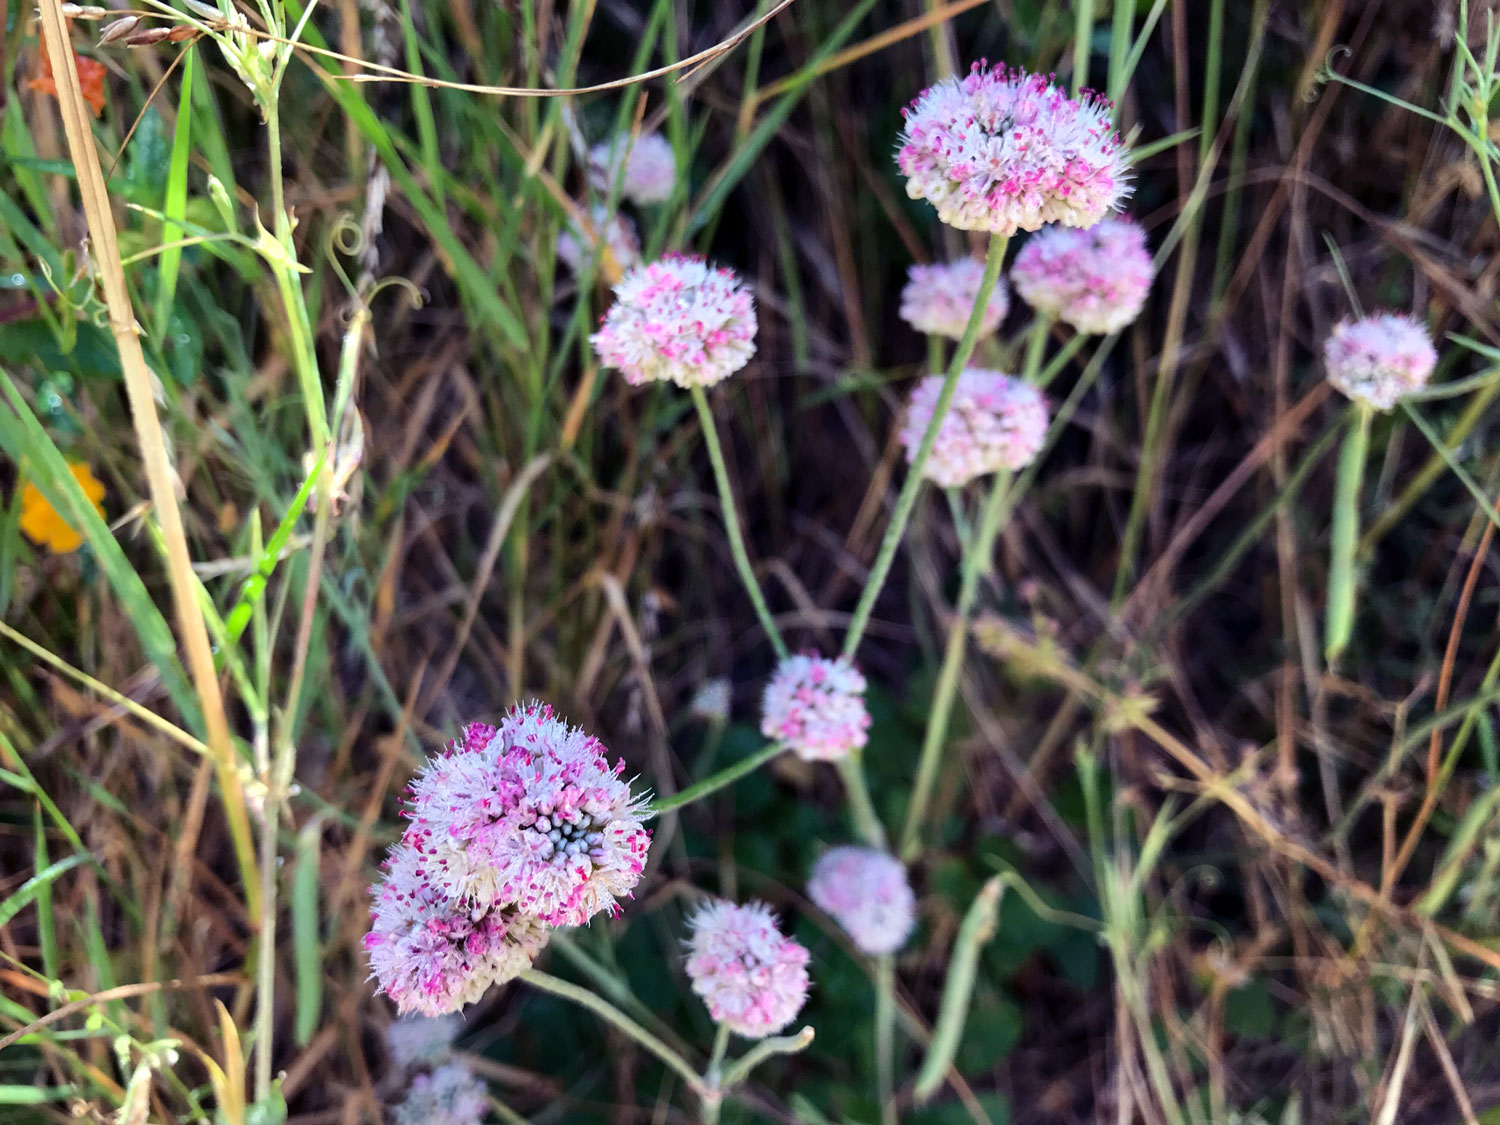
(936, 735)
(935, 354)
(1083, 37)
(1345, 536)
(885, 1036)
(712, 784)
(861, 807)
(713, 1097)
(611, 1015)
(732, 523)
(737, 1071)
(977, 927)
(907, 498)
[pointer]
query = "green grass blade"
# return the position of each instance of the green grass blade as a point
(175, 203)
(305, 944)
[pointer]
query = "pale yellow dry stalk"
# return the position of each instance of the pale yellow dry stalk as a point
(106, 254)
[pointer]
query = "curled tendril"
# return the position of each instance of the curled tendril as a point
(1326, 73)
(347, 239)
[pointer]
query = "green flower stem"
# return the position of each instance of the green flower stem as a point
(713, 783)
(1341, 585)
(606, 1011)
(713, 1097)
(732, 523)
(740, 1069)
(978, 925)
(935, 354)
(885, 1036)
(861, 807)
(975, 560)
(907, 498)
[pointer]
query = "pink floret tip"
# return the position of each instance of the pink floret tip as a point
(816, 707)
(867, 893)
(1095, 280)
(938, 299)
(994, 422)
(752, 978)
(650, 167)
(1379, 359)
(1002, 150)
(678, 320)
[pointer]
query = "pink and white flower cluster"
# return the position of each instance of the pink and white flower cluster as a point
(1095, 279)
(650, 167)
(1003, 150)
(615, 233)
(753, 978)
(1378, 359)
(678, 320)
(938, 299)
(867, 893)
(993, 422)
(514, 829)
(452, 1094)
(816, 707)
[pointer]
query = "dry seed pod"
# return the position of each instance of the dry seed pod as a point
(148, 37)
(118, 29)
(84, 11)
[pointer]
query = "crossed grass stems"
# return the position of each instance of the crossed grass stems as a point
(273, 744)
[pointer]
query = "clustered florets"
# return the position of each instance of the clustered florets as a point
(678, 320)
(515, 829)
(993, 422)
(421, 1040)
(615, 233)
(1095, 279)
(650, 167)
(752, 977)
(816, 707)
(938, 299)
(1003, 150)
(452, 1094)
(1378, 359)
(867, 893)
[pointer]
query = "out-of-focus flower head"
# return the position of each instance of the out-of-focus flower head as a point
(1003, 150)
(615, 233)
(678, 320)
(532, 819)
(650, 167)
(422, 1040)
(433, 954)
(1380, 358)
(816, 706)
(711, 701)
(994, 422)
(452, 1094)
(1095, 279)
(938, 299)
(44, 525)
(752, 977)
(867, 893)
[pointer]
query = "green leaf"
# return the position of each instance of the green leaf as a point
(147, 160)
(37, 884)
(1249, 1013)
(175, 204)
(994, 1027)
(309, 960)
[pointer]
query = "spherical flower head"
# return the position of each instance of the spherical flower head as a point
(866, 892)
(422, 1040)
(711, 702)
(613, 233)
(1378, 359)
(452, 1094)
(650, 167)
(533, 820)
(678, 320)
(938, 299)
(753, 979)
(816, 707)
(993, 422)
(1003, 150)
(1095, 279)
(432, 954)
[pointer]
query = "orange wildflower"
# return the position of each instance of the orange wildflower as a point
(42, 523)
(90, 79)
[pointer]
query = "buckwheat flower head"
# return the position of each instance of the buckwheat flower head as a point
(993, 422)
(529, 816)
(711, 702)
(817, 707)
(938, 299)
(432, 954)
(753, 979)
(650, 167)
(1003, 150)
(616, 233)
(866, 892)
(678, 320)
(452, 1094)
(1380, 358)
(1095, 279)
(422, 1040)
